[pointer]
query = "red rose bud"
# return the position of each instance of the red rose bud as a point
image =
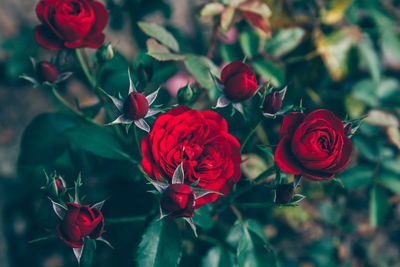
(313, 146)
(272, 103)
(59, 185)
(70, 24)
(178, 201)
(47, 72)
(284, 193)
(135, 106)
(239, 81)
(347, 128)
(79, 222)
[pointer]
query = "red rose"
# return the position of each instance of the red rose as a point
(200, 140)
(135, 106)
(239, 81)
(47, 72)
(78, 222)
(178, 201)
(313, 146)
(70, 24)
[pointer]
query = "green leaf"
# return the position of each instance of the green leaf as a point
(202, 217)
(249, 41)
(200, 68)
(159, 33)
(357, 177)
(390, 181)
(370, 58)
(390, 43)
(334, 50)
(88, 253)
(388, 89)
(231, 52)
(161, 52)
(365, 91)
(284, 41)
(270, 72)
(254, 249)
(97, 140)
(218, 257)
(42, 140)
(160, 245)
(329, 212)
(392, 165)
(378, 206)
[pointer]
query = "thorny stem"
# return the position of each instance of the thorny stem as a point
(213, 40)
(249, 135)
(85, 68)
(68, 106)
(126, 219)
(237, 213)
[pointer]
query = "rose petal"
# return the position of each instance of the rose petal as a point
(101, 16)
(327, 115)
(317, 175)
(71, 214)
(234, 68)
(99, 222)
(285, 158)
(344, 156)
(290, 123)
(211, 115)
(46, 38)
(40, 11)
(72, 243)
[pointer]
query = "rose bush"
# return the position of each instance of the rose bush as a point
(79, 222)
(313, 146)
(70, 24)
(200, 140)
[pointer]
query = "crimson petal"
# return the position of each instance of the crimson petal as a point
(45, 37)
(290, 123)
(284, 157)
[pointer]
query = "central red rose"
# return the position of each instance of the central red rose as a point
(200, 140)
(70, 24)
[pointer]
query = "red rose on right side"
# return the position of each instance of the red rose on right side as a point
(313, 146)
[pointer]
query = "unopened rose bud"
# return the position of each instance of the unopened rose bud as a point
(79, 222)
(185, 95)
(106, 52)
(347, 128)
(239, 81)
(57, 186)
(284, 193)
(272, 103)
(135, 106)
(178, 201)
(47, 72)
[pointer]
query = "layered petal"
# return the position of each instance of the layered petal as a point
(45, 37)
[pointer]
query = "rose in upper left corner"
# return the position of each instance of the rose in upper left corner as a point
(70, 24)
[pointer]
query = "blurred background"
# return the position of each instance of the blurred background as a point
(341, 55)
